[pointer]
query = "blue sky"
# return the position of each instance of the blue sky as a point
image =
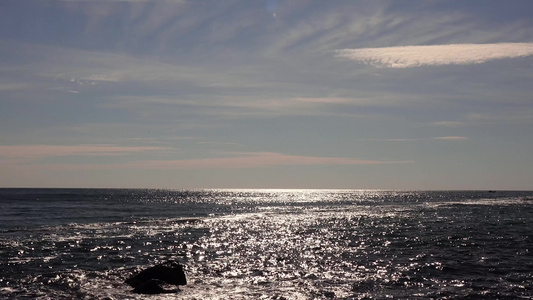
(266, 94)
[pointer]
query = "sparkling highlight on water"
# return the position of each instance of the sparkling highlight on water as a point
(267, 244)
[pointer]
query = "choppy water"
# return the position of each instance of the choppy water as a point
(268, 244)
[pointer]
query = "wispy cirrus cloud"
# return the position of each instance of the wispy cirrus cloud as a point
(31, 152)
(170, 1)
(14, 86)
(434, 55)
(451, 138)
(56, 65)
(258, 159)
(389, 140)
(245, 160)
(445, 138)
(448, 123)
(525, 115)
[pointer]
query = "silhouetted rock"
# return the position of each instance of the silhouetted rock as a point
(152, 286)
(149, 281)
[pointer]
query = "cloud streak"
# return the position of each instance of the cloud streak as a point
(31, 152)
(448, 123)
(451, 138)
(246, 160)
(133, 1)
(441, 138)
(257, 159)
(452, 54)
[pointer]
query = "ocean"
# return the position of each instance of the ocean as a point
(268, 244)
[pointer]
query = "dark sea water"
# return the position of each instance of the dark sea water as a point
(268, 244)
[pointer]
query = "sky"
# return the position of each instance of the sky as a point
(184, 94)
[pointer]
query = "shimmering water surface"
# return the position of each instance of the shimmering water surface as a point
(268, 244)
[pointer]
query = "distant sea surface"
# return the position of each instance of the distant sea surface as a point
(268, 244)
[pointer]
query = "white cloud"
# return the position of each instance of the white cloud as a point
(452, 54)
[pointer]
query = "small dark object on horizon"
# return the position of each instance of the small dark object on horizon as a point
(149, 280)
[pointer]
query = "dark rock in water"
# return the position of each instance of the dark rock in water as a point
(152, 286)
(149, 281)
